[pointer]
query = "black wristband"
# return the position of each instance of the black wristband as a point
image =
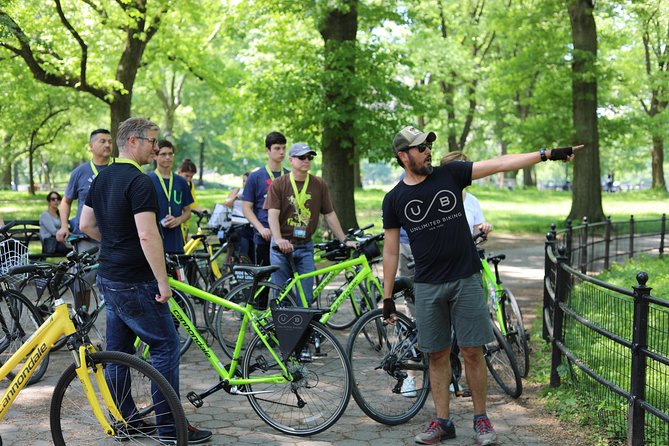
(542, 152)
(561, 153)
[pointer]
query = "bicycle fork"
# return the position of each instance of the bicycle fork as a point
(84, 368)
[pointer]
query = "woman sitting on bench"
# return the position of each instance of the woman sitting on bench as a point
(49, 224)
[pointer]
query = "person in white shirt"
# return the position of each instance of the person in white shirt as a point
(473, 211)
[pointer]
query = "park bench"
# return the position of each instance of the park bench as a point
(27, 231)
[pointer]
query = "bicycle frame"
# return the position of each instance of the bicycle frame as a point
(194, 243)
(493, 286)
(38, 347)
(227, 374)
(363, 274)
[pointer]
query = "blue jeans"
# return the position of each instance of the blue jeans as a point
(304, 262)
(132, 312)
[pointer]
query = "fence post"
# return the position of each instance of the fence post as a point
(584, 246)
(562, 280)
(635, 419)
(569, 239)
(631, 245)
(607, 243)
(663, 232)
(548, 267)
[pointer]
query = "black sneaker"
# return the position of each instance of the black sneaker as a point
(138, 428)
(195, 436)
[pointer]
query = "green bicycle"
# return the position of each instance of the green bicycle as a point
(504, 308)
(294, 372)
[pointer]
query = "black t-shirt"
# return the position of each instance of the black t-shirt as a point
(116, 195)
(433, 215)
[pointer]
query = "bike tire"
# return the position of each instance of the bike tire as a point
(322, 379)
(72, 420)
(21, 320)
(228, 323)
(187, 306)
(501, 362)
(379, 368)
(515, 331)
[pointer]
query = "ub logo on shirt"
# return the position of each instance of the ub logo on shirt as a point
(444, 201)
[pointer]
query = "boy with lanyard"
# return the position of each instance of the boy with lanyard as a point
(174, 198)
(255, 192)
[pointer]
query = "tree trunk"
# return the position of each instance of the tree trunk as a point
(528, 178)
(657, 157)
(338, 29)
(31, 173)
(120, 111)
(587, 192)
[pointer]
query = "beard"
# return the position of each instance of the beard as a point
(423, 169)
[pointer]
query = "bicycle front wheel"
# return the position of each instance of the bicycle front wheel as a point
(390, 375)
(514, 331)
(148, 403)
(20, 319)
(320, 388)
(502, 364)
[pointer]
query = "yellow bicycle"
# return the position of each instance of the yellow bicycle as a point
(117, 397)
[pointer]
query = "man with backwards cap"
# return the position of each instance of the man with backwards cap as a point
(294, 203)
(448, 290)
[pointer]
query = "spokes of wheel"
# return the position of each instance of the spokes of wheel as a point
(319, 389)
(390, 374)
(502, 365)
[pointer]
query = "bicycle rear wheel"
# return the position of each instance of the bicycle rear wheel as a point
(514, 331)
(20, 319)
(381, 356)
(321, 379)
(502, 364)
(141, 393)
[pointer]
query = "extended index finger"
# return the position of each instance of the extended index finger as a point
(578, 147)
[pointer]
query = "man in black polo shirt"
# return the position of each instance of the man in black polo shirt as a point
(121, 212)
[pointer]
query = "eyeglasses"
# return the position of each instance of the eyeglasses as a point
(421, 147)
(166, 155)
(54, 199)
(152, 141)
(305, 157)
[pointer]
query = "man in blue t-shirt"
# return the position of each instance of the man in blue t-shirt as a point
(255, 192)
(174, 198)
(100, 145)
(448, 291)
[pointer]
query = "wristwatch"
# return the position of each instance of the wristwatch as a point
(542, 152)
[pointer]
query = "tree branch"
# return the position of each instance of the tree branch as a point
(77, 37)
(28, 55)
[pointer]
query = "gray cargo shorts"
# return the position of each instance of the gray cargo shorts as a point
(459, 305)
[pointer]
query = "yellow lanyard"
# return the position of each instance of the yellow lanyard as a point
(168, 193)
(300, 196)
(127, 161)
(94, 168)
(271, 174)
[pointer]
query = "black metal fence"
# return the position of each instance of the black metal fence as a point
(615, 340)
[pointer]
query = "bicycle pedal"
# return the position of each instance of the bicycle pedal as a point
(194, 399)
(464, 393)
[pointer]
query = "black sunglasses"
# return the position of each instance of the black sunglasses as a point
(305, 157)
(421, 147)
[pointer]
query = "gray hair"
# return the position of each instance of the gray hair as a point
(133, 127)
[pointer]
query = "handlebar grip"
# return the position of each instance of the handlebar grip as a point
(22, 269)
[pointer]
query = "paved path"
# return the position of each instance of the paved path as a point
(517, 422)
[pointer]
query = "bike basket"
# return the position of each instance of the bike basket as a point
(12, 253)
(291, 326)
